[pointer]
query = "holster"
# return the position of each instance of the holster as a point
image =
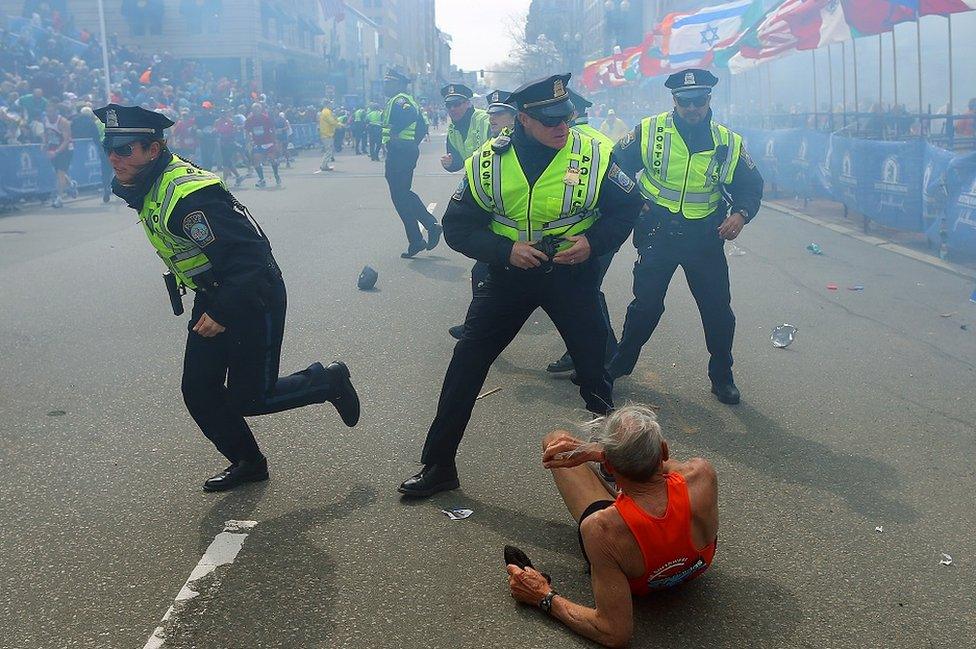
(175, 291)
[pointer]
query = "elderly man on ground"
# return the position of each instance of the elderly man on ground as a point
(655, 529)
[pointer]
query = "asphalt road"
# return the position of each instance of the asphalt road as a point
(866, 421)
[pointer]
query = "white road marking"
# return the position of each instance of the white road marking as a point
(222, 551)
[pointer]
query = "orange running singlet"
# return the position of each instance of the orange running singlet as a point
(670, 557)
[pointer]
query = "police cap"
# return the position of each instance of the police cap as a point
(367, 279)
(498, 102)
(124, 124)
(692, 82)
(548, 97)
(455, 93)
(394, 75)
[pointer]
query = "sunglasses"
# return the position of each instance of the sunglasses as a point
(122, 150)
(552, 121)
(697, 102)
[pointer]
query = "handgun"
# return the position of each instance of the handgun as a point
(176, 292)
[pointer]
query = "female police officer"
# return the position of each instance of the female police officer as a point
(211, 245)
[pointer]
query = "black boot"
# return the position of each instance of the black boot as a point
(456, 331)
(237, 474)
(564, 364)
(433, 236)
(431, 479)
(726, 392)
(413, 249)
(341, 394)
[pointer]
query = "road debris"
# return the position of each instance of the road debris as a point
(831, 287)
(783, 335)
(856, 287)
(946, 560)
(457, 514)
(947, 315)
(488, 393)
(879, 529)
(814, 249)
(367, 278)
(734, 251)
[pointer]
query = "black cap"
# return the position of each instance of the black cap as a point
(691, 83)
(393, 75)
(455, 93)
(498, 102)
(579, 101)
(124, 124)
(547, 97)
(367, 279)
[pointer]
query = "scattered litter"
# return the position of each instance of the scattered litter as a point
(735, 251)
(56, 413)
(946, 560)
(964, 327)
(972, 298)
(367, 279)
(947, 315)
(457, 514)
(783, 335)
(488, 393)
(879, 529)
(856, 287)
(815, 249)
(831, 287)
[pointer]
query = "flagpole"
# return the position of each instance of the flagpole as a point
(857, 101)
(894, 63)
(813, 55)
(843, 77)
(951, 130)
(830, 85)
(918, 52)
(880, 73)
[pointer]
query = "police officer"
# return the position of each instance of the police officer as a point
(468, 129)
(213, 246)
(403, 129)
(374, 131)
(693, 170)
(518, 194)
(501, 116)
(581, 124)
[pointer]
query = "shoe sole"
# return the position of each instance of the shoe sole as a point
(347, 386)
(560, 370)
(444, 486)
(259, 478)
(726, 402)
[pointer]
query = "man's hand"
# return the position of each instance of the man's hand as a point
(577, 254)
(524, 256)
(447, 160)
(560, 453)
(208, 327)
(528, 586)
(732, 226)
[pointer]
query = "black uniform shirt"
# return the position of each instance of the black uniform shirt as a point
(239, 252)
(745, 190)
(462, 126)
(467, 226)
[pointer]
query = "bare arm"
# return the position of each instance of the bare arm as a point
(611, 623)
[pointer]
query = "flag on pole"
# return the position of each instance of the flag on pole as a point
(689, 39)
(943, 7)
(621, 67)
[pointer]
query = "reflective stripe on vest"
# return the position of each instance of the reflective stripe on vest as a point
(477, 134)
(410, 131)
(562, 202)
(181, 255)
(683, 183)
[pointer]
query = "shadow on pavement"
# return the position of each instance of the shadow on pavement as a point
(435, 268)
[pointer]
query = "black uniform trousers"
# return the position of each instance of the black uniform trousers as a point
(235, 374)
(499, 308)
(401, 160)
(375, 133)
(696, 247)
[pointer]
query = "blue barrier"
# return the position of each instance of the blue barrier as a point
(304, 135)
(26, 171)
(911, 186)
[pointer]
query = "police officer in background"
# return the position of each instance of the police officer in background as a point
(213, 246)
(404, 127)
(694, 169)
(501, 116)
(374, 131)
(582, 124)
(468, 129)
(537, 207)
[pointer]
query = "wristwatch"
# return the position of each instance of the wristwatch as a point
(546, 603)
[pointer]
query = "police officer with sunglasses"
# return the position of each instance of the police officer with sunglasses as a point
(692, 171)
(211, 245)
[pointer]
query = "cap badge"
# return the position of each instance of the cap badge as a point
(557, 88)
(450, 90)
(111, 119)
(494, 97)
(689, 78)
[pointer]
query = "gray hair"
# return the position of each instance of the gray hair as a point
(631, 440)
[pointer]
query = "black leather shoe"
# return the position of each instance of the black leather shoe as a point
(413, 249)
(342, 394)
(726, 392)
(431, 479)
(456, 331)
(564, 364)
(433, 236)
(237, 474)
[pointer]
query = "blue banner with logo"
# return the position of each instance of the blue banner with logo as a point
(86, 164)
(25, 170)
(960, 221)
(890, 183)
